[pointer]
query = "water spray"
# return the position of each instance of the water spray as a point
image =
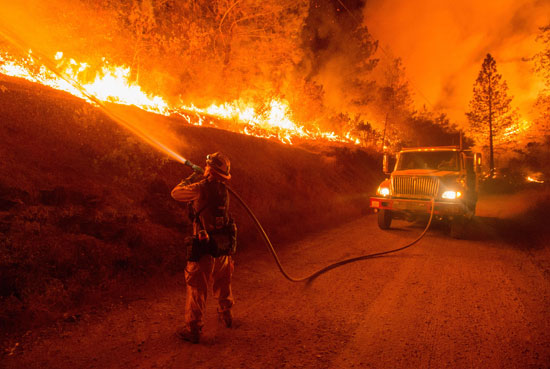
(135, 129)
(145, 136)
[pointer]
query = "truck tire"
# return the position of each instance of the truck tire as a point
(458, 225)
(472, 210)
(384, 219)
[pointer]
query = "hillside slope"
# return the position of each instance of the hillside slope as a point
(85, 206)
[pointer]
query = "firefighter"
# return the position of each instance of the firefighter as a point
(210, 250)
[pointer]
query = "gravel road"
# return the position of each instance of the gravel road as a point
(483, 302)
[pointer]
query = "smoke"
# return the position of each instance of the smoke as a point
(48, 26)
(443, 44)
(339, 57)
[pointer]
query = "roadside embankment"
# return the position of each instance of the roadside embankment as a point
(85, 206)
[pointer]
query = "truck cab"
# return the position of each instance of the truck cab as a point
(446, 174)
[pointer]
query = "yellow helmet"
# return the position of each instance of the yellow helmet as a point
(219, 164)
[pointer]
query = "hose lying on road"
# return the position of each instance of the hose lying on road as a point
(333, 265)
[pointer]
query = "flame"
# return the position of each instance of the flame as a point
(522, 127)
(531, 179)
(114, 84)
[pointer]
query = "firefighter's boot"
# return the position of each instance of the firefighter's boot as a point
(226, 317)
(192, 335)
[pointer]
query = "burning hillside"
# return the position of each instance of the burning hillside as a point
(288, 71)
(84, 203)
(112, 84)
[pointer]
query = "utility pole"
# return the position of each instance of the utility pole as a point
(491, 158)
(384, 135)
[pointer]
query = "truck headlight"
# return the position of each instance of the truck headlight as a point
(383, 191)
(451, 195)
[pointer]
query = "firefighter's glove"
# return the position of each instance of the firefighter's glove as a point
(197, 169)
(195, 177)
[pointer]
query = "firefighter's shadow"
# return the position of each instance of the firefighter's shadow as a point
(521, 233)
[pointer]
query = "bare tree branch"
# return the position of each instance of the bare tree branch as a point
(225, 14)
(247, 18)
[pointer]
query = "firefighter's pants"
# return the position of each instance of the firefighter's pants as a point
(198, 276)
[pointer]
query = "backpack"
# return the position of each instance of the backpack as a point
(222, 239)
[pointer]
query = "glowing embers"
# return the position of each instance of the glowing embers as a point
(114, 84)
(522, 126)
(535, 178)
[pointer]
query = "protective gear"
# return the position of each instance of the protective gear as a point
(219, 165)
(209, 259)
(226, 317)
(190, 335)
(195, 168)
(198, 275)
(215, 243)
(193, 178)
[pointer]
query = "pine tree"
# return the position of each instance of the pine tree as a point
(542, 105)
(490, 109)
(542, 58)
(395, 98)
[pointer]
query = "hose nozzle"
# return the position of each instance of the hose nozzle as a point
(194, 167)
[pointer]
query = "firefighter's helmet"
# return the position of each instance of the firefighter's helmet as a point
(219, 164)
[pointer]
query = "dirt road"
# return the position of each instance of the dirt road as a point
(477, 303)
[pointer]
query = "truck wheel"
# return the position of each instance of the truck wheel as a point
(458, 226)
(384, 219)
(471, 206)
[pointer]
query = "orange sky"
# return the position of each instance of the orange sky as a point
(443, 44)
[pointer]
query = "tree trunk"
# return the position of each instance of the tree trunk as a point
(384, 136)
(491, 158)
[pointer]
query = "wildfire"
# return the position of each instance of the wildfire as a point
(114, 84)
(521, 127)
(534, 180)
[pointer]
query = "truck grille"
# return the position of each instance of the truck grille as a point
(416, 187)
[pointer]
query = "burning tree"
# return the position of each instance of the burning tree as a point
(337, 68)
(490, 112)
(369, 135)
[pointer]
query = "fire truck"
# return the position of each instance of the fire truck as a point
(448, 175)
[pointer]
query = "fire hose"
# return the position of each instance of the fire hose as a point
(317, 273)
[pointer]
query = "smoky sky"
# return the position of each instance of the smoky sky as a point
(326, 27)
(443, 43)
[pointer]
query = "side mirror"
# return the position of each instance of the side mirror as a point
(385, 163)
(477, 162)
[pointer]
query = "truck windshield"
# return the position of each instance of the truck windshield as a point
(439, 160)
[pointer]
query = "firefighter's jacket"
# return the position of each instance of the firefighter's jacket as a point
(209, 197)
